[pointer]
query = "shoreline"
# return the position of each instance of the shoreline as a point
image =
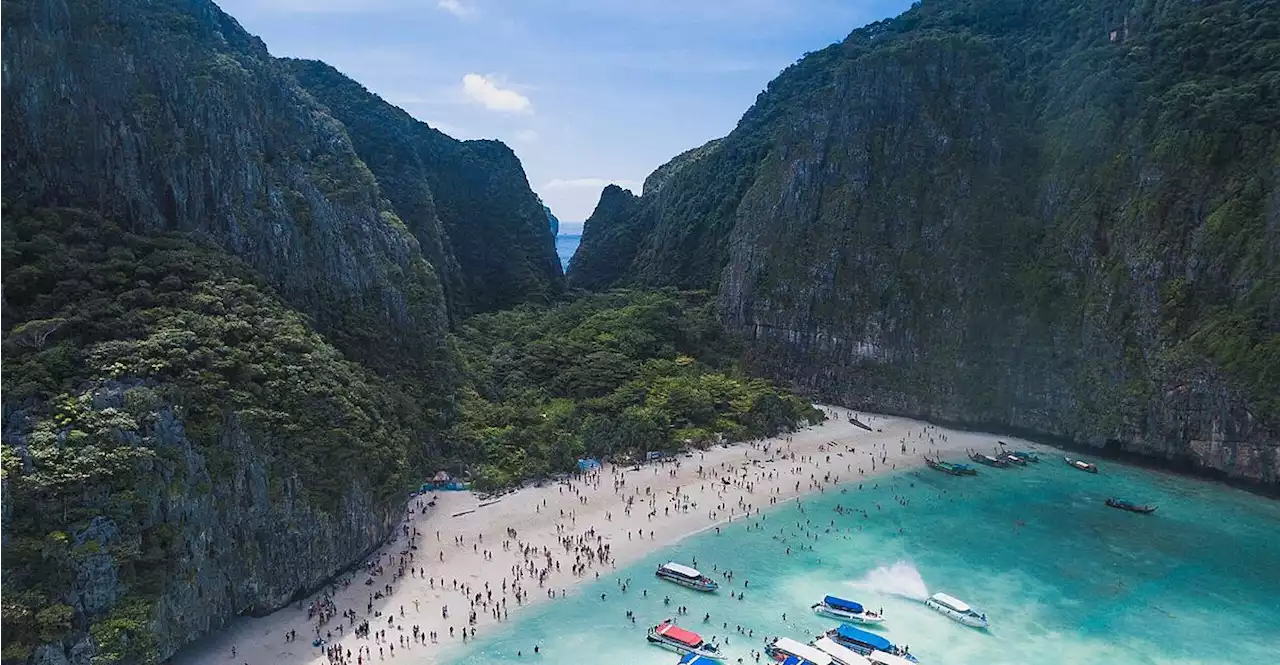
(471, 563)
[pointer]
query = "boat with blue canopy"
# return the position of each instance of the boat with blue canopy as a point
(695, 659)
(865, 642)
(847, 610)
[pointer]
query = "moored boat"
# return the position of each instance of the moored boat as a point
(956, 610)
(865, 643)
(785, 649)
(695, 659)
(674, 638)
(846, 610)
(840, 655)
(1081, 464)
(950, 467)
(1013, 459)
(983, 458)
(882, 658)
(686, 577)
(1131, 507)
(1024, 455)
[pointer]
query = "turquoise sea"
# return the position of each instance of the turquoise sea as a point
(1062, 578)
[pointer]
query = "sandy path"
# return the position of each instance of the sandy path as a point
(474, 549)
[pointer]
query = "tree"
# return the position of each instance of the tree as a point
(35, 333)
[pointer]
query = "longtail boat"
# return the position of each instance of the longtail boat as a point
(1081, 464)
(950, 467)
(983, 458)
(1131, 507)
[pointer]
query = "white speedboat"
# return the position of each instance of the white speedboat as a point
(956, 610)
(782, 649)
(686, 577)
(847, 610)
(882, 658)
(840, 655)
(674, 638)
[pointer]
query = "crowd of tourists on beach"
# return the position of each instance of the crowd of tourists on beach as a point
(739, 487)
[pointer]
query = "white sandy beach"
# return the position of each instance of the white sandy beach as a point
(465, 551)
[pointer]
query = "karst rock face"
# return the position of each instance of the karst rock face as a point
(1050, 217)
(226, 304)
(467, 202)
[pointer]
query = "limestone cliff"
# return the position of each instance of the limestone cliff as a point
(224, 347)
(170, 117)
(1056, 217)
(497, 247)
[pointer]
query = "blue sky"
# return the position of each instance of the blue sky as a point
(585, 91)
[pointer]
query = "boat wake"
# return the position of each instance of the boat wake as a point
(899, 579)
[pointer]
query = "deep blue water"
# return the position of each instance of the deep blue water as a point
(566, 245)
(567, 241)
(1063, 578)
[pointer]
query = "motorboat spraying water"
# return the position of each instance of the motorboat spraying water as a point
(674, 638)
(956, 610)
(847, 610)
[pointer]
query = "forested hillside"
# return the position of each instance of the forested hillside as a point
(1055, 216)
(612, 376)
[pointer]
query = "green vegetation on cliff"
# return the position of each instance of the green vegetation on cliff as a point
(1052, 215)
(158, 391)
(612, 375)
(119, 332)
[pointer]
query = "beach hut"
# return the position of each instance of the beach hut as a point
(443, 481)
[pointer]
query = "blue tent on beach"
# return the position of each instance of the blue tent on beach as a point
(585, 465)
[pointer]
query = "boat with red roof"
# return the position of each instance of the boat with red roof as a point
(682, 641)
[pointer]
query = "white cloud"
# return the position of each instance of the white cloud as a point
(480, 89)
(591, 183)
(455, 7)
(525, 136)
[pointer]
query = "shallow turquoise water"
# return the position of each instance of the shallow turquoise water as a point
(1062, 578)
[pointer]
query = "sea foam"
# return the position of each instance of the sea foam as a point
(898, 579)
